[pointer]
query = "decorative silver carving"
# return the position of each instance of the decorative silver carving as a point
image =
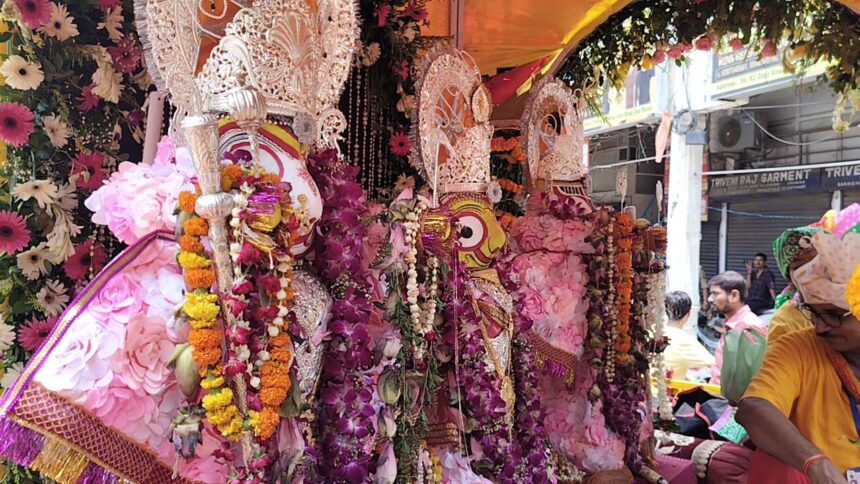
(450, 129)
(312, 305)
(554, 138)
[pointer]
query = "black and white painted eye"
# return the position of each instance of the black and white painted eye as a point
(473, 231)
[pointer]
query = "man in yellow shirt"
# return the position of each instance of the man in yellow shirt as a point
(684, 352)
(801, 408)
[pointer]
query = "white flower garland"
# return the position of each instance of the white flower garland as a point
(422, 318)
(654, 323)
(609, 367)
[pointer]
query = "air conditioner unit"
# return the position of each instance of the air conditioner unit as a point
(735, 134)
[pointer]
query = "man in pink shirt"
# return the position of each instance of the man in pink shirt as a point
(727, 293)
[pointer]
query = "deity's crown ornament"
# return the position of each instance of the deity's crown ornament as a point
(553, 134)
(451, 129)
(295, 54)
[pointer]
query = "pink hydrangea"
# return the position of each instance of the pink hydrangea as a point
(131, 412)
(81, 361)
(143, 365)
(118, 301)
(140, 198)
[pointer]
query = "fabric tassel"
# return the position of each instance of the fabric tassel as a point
(19, 444)
(96, 474)
(60, 462)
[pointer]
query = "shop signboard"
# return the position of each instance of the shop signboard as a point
(742, 73)
(633, 104)
(745, 185)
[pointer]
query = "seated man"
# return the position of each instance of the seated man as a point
(801, 408)
(792, 250)
(727, 294)
(684, 352)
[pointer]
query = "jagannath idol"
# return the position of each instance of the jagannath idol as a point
(196, 354)
(572, 274)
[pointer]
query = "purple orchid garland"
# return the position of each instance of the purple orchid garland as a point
(510, 460)
(346, 432)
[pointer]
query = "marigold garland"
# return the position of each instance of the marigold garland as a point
(196, 227)
(852, 293)
(187, 201)
(190, 244)
(200, 278)
(190, 260)
(623, 287)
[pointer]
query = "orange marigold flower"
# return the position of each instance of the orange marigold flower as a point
(271, 179)
(207, 356)
(275, 380)
(200, 278)
(622, 327)
(273, 397)
(272, 368)
(190, 244)
(280, 340)
(205, 338)
(269, 421)
(625, 243)
(624, 223)
(196, 227)
(281, 354)
(214, 372)
(187, 200)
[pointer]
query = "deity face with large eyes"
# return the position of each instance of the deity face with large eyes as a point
(281, 154)
(480, 235)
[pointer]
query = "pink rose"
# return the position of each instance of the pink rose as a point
(118, 301)
(524, 232)
(675, 52)
(736, 44)
(145, 355)
(704, 43)
(659, 57)
(533, 305)
(130, 412)
(768, 49)
(554, 241)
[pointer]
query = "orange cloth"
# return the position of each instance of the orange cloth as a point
(787, 319)
(798, 378)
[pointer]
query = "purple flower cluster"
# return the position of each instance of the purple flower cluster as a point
(346, 417)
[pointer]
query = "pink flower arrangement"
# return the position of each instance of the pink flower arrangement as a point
(143, 362)
(139, 198)
(400, 143)
(768, 49)
(130, 412)
(126, 55)
(118, 301)
(736, 44)
(704, 43)
(16, 123)
(88, 99)
(546, 232)
(34, 13)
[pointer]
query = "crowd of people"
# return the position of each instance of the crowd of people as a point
(795, 380)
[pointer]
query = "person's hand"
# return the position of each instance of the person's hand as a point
(824, 471)
(749, 266)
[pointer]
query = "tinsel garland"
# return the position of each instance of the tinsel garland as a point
(656, 302)
(346, 427)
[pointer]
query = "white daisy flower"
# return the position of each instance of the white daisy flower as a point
(44, 191)
(57, 130)
(7, 337)
(22, 74)
(113, 23)
(107, 83)
(62, 25)
(33, 262)
(12, 373)
(52, 298)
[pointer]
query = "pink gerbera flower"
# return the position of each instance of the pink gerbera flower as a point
(91, 170)
(34, 13)
(106, 5)
(85, 257)
(126, 55)
(400, 144)
(88, 100)
(16, 123)
(14, 234)
(34, 332)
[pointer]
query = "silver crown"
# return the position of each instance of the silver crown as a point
(451, 129)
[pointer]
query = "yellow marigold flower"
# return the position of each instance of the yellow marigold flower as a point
(222, 417)
(190, 260)
(219, 400)
(203, 323)
(201, 310)
(233, 429)
(852, 293)
(212, 383)
(201, 297)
